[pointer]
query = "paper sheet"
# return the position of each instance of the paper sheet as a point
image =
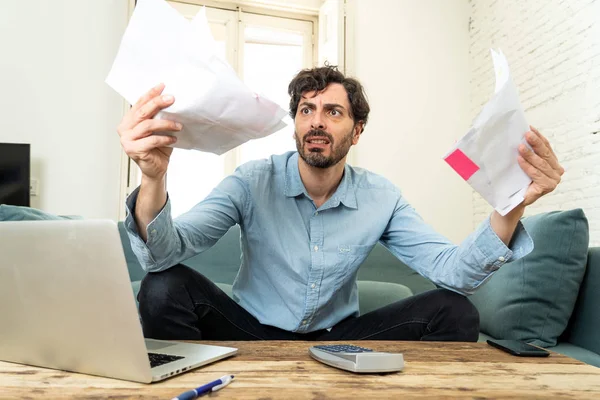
(486, 157)
(217, 110)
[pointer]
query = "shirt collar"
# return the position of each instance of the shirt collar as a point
(293, 184)
(345, 192)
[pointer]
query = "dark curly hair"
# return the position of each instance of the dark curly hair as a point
(317, 79)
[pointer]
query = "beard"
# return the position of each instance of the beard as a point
(315, 156)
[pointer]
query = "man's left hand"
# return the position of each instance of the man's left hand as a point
(541, 165)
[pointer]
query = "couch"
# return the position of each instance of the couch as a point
(550, 298)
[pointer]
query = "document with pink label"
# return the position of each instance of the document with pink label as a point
(486, 157)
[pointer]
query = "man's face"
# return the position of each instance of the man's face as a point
(325, 130)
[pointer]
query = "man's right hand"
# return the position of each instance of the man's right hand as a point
(150, 152)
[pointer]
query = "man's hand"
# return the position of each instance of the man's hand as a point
(150, 152)
(541, 165)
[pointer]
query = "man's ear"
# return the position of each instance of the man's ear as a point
(358, 128)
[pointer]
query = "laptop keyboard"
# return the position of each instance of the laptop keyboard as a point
(160, 359)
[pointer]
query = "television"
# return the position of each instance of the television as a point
(14, 174)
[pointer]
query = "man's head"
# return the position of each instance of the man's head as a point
(330, 112)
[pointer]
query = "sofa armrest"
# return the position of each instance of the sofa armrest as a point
(584, 325)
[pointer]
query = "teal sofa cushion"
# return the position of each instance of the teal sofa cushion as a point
(374, 295)
(382, 266)
(531, 299)
(483, 337)
(221, 262)
(584, 326)
(18, 213)
(136, 272)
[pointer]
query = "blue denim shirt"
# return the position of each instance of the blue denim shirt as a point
(299, 264)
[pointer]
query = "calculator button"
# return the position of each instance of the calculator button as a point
(343, 348)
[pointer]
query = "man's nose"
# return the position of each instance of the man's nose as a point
(317, 121)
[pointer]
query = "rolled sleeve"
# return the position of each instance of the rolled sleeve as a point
(495, 253)
(160, 233)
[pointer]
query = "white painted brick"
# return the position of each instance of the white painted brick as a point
(553, 49)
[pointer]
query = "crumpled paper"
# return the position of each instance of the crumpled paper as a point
(217, 110)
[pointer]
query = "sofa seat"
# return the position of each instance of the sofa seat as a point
(567, 349)
(579, 353)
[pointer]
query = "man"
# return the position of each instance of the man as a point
(308, 221)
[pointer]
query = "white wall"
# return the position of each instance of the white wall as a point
(553, 49)
(55, 57)
(412, 57)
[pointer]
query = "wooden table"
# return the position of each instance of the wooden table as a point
(284, 370)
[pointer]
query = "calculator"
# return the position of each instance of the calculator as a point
(357, 359)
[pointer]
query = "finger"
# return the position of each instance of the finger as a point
(128, 120)
(534, 130)
(149, 126)
(556, 165)
(150, 94)
(539, 163)
(152, 107)
(542, 183)
(542, 138)
(152, 142)
(543, 150)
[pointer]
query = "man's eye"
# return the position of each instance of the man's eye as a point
(305, 111)
(335, 113)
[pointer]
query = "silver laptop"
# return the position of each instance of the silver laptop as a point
(66, 303)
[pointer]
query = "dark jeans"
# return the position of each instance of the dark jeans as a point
(182, 304)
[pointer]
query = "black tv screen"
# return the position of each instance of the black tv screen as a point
(14, 174)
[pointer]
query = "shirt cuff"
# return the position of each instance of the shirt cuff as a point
(158, 233)
(495, 252)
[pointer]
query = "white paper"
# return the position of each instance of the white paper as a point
(492, 144)
(218, 112)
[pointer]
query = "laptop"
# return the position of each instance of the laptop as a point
(66, 303)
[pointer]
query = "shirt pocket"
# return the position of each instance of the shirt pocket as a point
(350, 257)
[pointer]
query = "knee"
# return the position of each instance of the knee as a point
(160, 289)
(459, 304)
(461, 313)
(156, 284)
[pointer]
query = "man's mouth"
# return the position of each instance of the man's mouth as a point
(317, 140)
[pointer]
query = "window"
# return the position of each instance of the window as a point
(274, 50)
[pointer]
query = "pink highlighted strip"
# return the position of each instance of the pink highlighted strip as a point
(462, 164)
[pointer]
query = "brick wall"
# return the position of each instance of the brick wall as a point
(553, 50)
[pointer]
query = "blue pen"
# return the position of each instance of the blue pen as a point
(209, 387)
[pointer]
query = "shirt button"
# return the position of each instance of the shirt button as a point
(316, 248)
(153, 231)
(304, 322)
(313, 286)
(501, 259)
(316, 213)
